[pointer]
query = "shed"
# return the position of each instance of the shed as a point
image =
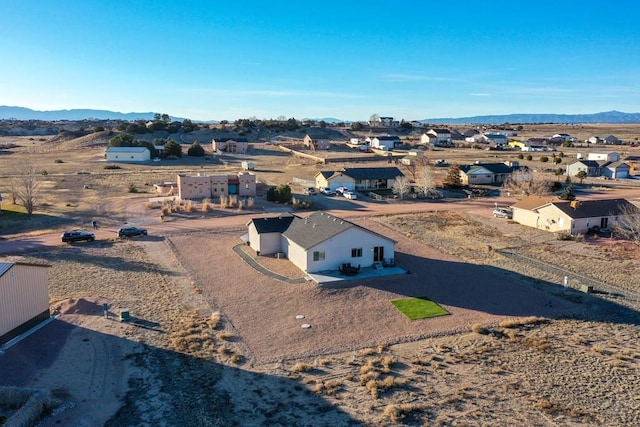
(128, 154)
(24, 298)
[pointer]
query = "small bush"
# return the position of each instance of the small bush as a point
(214, 320)
(479, 329)
(132, 188)
(112, 167)
(544, 159)
(224, 335)
(302, 367)
(58, 161)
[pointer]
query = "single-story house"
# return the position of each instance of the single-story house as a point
(373, 178)
(485, 173)
(591, 167)
(390, 142)
(571, 217)
(611, 139)
(319, 242)
(128, 154)
(316, 143)
(497, 139)
(24, 298)
(216, 185)
(333, 180)
(358, 178)
(236, 145)
(615, 170)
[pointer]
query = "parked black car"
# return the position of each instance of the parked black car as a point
(132, 231)
(71, 236)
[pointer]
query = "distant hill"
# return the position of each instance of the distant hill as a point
(21, 113)
(605, 117)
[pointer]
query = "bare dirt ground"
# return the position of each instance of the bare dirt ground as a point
(213, 342)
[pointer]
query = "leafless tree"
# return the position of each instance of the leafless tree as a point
(425, 180)
(522, 183)
(25, 184)
(628, 224)
(401, 186)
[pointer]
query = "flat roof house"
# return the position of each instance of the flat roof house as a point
(216, 185)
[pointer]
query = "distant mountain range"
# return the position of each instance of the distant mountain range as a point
(605, 117)
(21, 113)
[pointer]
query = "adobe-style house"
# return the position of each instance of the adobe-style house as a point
(216, 185)
(485, 173)
(358, 178)
(236, 145)
(127, 154)
(319, 242)
(316, 143)
(24, 298)
(572, 217)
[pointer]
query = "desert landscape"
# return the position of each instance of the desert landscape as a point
(213, 341)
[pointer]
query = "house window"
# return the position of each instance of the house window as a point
(318, 256)
(356, 253)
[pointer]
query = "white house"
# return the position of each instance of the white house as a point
(24, 298)
(127, 154)
(389, 142)
(443, 137)
(320, 242)
(607, 156)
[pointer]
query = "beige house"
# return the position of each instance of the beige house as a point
(24, 298)
(237, 145)
(316, 143)
(207, 186)
(572, 217)
(485, 173)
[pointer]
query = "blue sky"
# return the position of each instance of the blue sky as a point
(412, 60)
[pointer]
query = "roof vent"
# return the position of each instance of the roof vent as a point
(575, 204)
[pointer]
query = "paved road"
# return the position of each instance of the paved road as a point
(337, 206)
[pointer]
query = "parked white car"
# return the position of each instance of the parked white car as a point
(350, 195)
(341, 190)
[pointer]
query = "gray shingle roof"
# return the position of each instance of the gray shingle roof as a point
(236, 139)
(318, 227)
(595, 208)
(497, 168)
(272, 225)
(373, 173)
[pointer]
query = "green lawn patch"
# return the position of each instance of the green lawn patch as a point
(419, 308)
